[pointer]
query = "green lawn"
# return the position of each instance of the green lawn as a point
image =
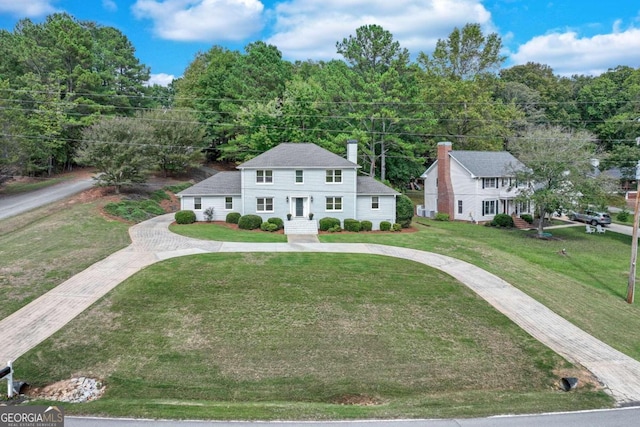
(291, 336)
(587, 286)
(42, 248)
(223, 233)
(254, 335)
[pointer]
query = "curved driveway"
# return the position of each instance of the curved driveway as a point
(153, 242)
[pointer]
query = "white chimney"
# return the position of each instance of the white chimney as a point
(352, 151)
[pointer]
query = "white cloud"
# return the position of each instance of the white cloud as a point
(202, 20)
(109, 5)
(27, 8)
(568, 53)
(160, 79)
(310, 28)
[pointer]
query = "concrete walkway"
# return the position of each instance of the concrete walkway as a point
(153, 242)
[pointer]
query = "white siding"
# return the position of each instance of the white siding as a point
(217, 202)
(386, 212)
(314, 186)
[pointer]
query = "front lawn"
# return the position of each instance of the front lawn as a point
(226, 233)
(302, 336)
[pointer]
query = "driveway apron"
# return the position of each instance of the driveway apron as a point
(153, 242)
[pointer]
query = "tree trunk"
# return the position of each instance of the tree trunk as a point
(540, 221)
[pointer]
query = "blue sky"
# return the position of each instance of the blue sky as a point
(571, 36)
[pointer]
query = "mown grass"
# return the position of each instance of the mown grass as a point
(292, 336)
(587, 286)
(224, 233)
(42, 248)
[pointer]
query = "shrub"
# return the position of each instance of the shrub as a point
(208, 214)
(404, 211)
(268, 226)
(502, 220)
(151, 207)
(440, 216)
(249, 222)
(327, 222)
(623, 215)
(396, 227)
(366, 225)
(232, 218)
(185, 217)
(352, 225)
(335, 229)
(159, 195)
(178, 187)
(527, 217)
(385, 226)
(277, 221)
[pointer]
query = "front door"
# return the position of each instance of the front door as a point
(299, 207)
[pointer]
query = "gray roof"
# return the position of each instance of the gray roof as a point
(297, 155)
(220, 184)
(487, 164)
(369, 186)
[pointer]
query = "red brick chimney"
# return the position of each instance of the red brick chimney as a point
(445, 188)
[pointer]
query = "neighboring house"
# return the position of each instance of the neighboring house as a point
(297, 179)
(472, 185)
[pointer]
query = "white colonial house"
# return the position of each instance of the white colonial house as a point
(473, 185)
(297, 179)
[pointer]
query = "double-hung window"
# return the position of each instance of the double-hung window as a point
(299, 176)
(375, 202)
(489, 207)
(459, 206)
(197, 203)
(334, 204)
(228, 203)
(264, 204)
(489, 183)
(264, 176)
(334, 176)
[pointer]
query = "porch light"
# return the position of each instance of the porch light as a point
(287, 199)
(311, 198)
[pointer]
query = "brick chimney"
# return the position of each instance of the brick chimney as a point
(445, 188)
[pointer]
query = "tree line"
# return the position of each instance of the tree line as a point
(67, 86)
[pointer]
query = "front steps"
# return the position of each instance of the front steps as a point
(520, 223)
(301, 226)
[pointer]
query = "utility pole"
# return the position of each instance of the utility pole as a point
(634, 242)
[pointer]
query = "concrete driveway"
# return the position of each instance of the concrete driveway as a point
(152, 242)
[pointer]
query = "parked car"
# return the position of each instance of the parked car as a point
(591, 217)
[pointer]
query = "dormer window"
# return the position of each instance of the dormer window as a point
(264, 176)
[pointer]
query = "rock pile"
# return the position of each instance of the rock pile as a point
(75, 390)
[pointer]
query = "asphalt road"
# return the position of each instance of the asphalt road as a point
(14, 205)
(608, 418)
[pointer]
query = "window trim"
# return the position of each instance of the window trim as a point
(333, 176)
(375, 203)
(333, 203)
(486, 181)
(301, 176)
(264, 176)
(460, 207)
(265, 204)
(197, 203)
(489, 207)
(228, 203)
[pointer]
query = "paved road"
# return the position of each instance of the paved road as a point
(152, 242)
(14, 205)
(609, 418)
